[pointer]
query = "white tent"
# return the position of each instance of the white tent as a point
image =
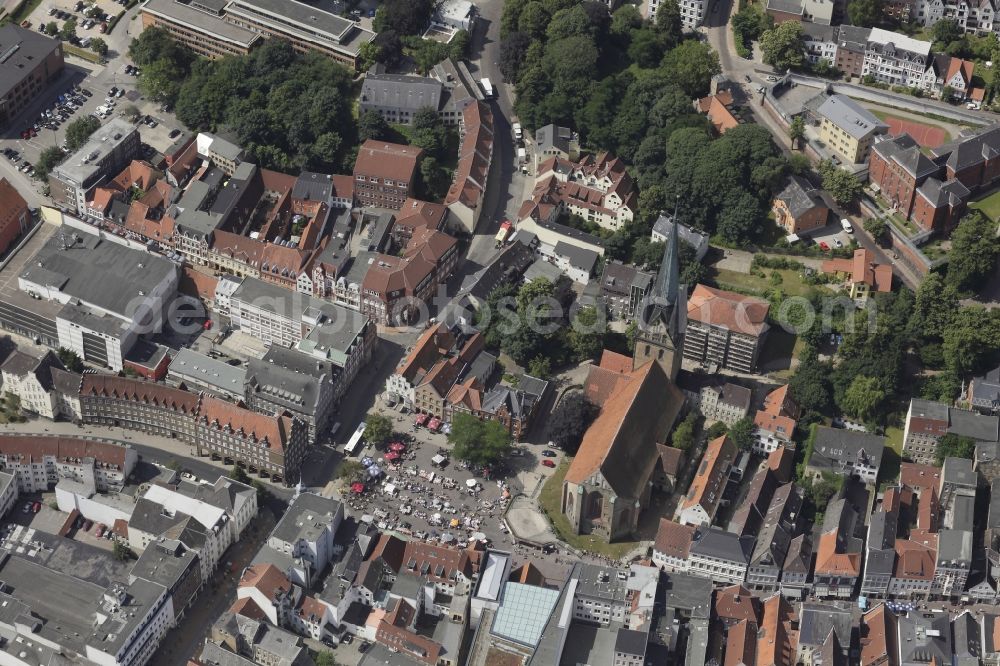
(471, 483)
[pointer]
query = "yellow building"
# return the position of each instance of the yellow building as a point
(848, 130)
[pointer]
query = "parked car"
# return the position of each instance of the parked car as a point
(36, 507)
(174, 133)
(549, 453)
(548, 463)
(26, 508)
(838, 243)
(823, 246)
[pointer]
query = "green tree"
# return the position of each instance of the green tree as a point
(68, 30)
(478, 442)
(47, 161)
(843, 186)
(865, 13)
(569, 421)
(51, 28)
(540, 367)
(974, 248)
(742, 433)
(373, 126)
(668, 21)
(823, 489)
(458, 47)
(99, 46)
(810, 385)
(239, 474)
(935, 307)
(131, 112)
(122, 552)
(797, 131)
(691, 65)
(877, 227)
(325, 658)
(863, 397)
(369, 54)
(625, 19)
(78, 131)
(782, 46)
(350, 470)
(434, 180)
(586, 335)
(161, 81)
(946, 31)
(378, 428)
(684, 434)
(954, 446)
(406, 17)
(715, 431)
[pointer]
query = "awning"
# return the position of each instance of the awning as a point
(471, 483)
(434, 423)
(421, 419)
(397, 447)
(438, 459)
(358, 488)
(392, 456)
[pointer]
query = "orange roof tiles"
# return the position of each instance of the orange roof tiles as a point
(139, 391)
(862, 268)
(715, 107)
(247, 607)
(429, 348)
(527, 574)
(777, 641)
(708, 483)
(32, 447)
(272, 430)
(780, 402)
(830, 561)
(781, 425)
(609, 433)
(741, 644)
(914, 560)
(780, 461)
(416, 214)
(420, 647)
(197, 284)
(874, 632)
(919, 477)
(735, 603)
(715, 307)
(674, 539)
(474, 157)
(267, 579)
(616, 362)
(382, 159)
(343, 186)
(310, 607)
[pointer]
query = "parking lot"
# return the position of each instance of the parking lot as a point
(85, 86)
(833, 235)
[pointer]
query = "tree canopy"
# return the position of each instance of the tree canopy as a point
(478, 442)
(78, 131)
(954, 446)
(378, 428)
(782, 46)
(973, 256)
(570, 420)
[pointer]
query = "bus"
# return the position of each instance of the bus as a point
(356, 442)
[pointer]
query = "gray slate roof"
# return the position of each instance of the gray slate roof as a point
(409, 93)
(835, 446)
(906, 152)
(718, 543)
(800, 197)
(817, 619)
(849, 116)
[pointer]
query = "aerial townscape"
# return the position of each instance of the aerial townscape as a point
(499, 333)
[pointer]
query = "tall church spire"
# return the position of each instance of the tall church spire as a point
(668, 279)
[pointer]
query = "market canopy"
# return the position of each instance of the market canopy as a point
(421, 419)
(471, 483)
(358, 488)
(398, 447)
(392, 456)
(434, 424)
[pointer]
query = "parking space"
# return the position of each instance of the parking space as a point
(91, 18)
(833, 235)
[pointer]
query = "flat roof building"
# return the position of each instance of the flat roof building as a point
(28, 62)
(103, 156)
(199, 25)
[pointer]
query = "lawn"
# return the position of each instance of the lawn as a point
(894, 439)
(791, 281)
(549, 500)
(990, 206)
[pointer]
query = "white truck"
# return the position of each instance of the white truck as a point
(487, 88)
(518, 132)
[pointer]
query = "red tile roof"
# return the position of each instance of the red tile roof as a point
(741, 645)
(735, 604)
(387, 160)
(343, 186)
(716, 307)
(247, 607)
(875, 629)
(262, 428)
(863, 269)
(674, 539)
(34, 447)
(474, 157)
(914, 560)
(267, 579)
(777, 640)
(197, 284)
(616, 362)
(708, 484)
(139, 391)
(919, 477)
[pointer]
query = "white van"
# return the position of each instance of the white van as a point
(845, 224)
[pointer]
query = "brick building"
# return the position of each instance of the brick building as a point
(385, 173)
